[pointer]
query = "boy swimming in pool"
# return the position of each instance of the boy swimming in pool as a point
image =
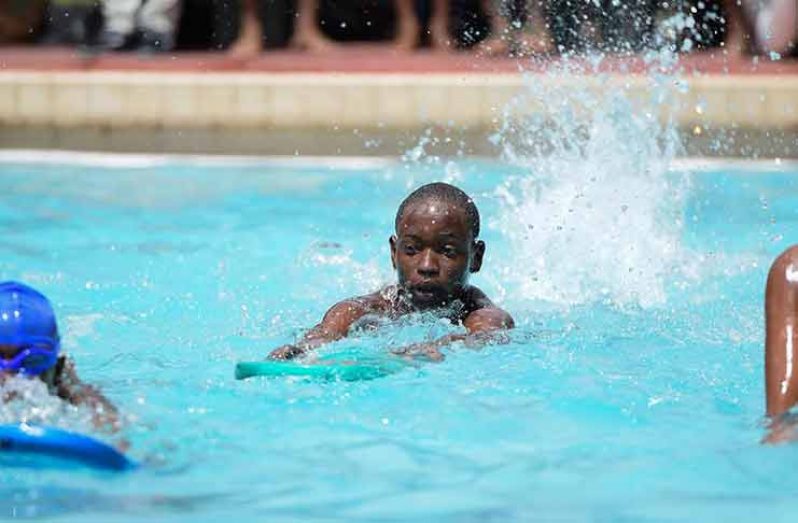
(30, 347)
(434, 250)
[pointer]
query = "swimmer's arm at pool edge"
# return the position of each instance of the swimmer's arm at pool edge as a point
(781, 340)
(334, 326)
(781, 333)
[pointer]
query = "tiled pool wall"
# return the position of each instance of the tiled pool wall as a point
(357, 113)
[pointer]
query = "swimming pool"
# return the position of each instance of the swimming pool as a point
(632, 389)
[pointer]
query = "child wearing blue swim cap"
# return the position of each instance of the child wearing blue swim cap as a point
(30, 346)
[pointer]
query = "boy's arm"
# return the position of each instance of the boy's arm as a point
(334, 326)
(781, 334)
(485, 326)
(72, 389)
(490, 319)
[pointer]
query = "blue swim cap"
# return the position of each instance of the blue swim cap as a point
(26, 315)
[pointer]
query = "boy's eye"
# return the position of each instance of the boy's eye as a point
(449, 251)
(410, 249)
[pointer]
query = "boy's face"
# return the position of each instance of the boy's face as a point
(433, 252)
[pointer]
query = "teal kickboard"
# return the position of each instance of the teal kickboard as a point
(324, 370)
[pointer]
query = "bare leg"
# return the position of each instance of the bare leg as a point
(307, 34)
(407, 27)
(250, 36)
(498, 42)
(775, 25)
(736, 33)
(537, 39)
(781, 338)
(439, 26)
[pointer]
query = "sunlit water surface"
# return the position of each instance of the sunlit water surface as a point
(632, 389)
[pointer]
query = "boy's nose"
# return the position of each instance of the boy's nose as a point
(428, 265)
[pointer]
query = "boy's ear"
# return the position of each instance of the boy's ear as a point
(392, 241)
(476, 257)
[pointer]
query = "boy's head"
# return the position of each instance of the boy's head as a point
(435, 247)
(29, 341)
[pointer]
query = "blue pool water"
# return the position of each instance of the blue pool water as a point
(632, 389)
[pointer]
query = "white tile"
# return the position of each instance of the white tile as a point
(397, 106)
(180, 104)
(218, 103)
(8, 102)
(34, 102)
(107, 103)
(142, 104)
(254, 105)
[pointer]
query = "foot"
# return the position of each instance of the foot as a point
(737, 34)
(250, 40)
(439, 35)
(407, 33)
(495, 45)
(312, 40)
(735, 44)
(534, 45)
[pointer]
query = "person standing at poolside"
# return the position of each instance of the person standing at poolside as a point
(434, 250)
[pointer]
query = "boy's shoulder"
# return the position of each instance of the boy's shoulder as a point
(382, 301)
(474, 299)
(480, 313)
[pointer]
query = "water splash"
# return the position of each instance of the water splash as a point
(597, 216)
(29, 401)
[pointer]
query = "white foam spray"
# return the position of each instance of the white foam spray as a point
(597, 216)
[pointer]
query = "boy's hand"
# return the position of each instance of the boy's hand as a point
(427, 351)
(286, 352)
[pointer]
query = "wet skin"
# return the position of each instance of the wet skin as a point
(781, 345)
(433, 253)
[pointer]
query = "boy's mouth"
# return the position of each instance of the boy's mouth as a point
(427, 293)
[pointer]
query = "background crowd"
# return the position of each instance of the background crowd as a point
(245, 28)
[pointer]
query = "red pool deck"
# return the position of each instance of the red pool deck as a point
(363, 59)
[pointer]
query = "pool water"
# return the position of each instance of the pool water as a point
(632, 389)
